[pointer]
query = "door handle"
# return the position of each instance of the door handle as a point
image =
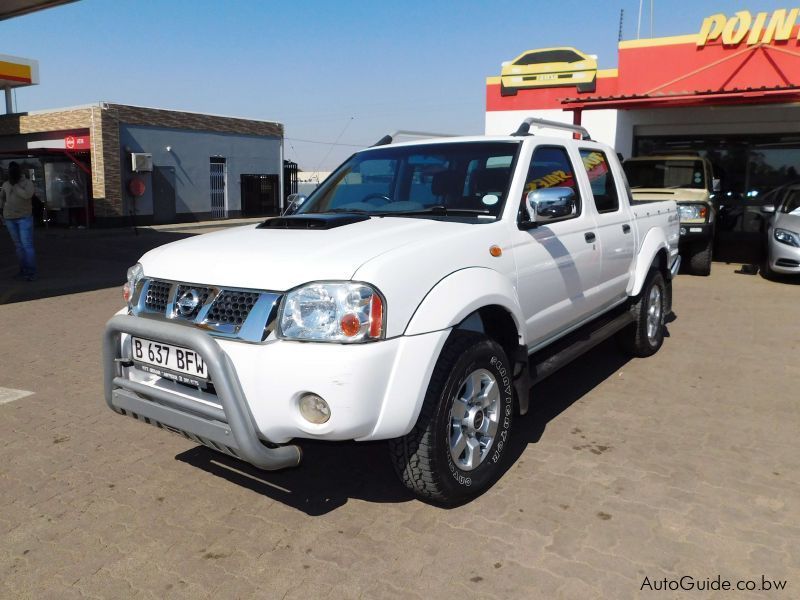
(590, 237)
(626, 228)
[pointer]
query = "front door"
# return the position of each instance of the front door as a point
(163, 195)
(557, 263)
(219, 192)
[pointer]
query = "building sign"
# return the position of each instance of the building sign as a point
(742, 58)
(762, 28)
(549, 67)
(18, 72)
(77, 142)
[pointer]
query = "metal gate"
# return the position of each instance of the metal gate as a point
(219, 193)
(259, 195)
(289, 178)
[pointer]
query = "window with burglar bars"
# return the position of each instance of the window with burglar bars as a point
(219, 200)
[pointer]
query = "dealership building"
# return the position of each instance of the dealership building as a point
(730, 92)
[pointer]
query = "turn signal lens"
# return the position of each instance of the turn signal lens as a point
(703, 212)
(127, 293)
(350, 325)
(375, 317)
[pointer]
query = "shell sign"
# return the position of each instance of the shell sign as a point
(18, 72)
(762, 28)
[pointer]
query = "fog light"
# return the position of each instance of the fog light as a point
(314, 409)
(683, 230)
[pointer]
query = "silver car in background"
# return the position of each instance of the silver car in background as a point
(783, 234)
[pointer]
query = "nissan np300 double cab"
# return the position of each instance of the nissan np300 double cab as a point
(414, 297)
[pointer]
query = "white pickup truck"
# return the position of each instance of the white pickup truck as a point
(415, 297)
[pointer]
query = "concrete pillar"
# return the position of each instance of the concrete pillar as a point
(9, 106)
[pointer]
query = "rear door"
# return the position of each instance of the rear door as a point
(615, 232)
(557, 262)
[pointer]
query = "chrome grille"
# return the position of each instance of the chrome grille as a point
(157, 296)
(232, 307)
(247, 315)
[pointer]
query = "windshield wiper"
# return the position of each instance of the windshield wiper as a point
(439, 209)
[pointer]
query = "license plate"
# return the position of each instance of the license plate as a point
(172, 362)
(548, 76)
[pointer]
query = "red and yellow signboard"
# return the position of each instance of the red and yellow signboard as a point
(743, 57)
(18, 72)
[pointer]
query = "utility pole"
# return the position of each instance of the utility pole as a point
(651, 17)
(639, 23)
(621, 17)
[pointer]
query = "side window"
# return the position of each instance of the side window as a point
(601, 179)
(550, 167)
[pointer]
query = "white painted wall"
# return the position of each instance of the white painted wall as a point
(602, 124)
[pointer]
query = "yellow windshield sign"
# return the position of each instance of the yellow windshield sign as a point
(762, 28)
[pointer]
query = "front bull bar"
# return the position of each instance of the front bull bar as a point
(231, 430)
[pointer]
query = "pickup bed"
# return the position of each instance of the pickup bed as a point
(414, 297)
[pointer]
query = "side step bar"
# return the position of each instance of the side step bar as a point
(544, 363)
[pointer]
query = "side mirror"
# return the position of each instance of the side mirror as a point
(293, 203)
(716, 185)
(550, 204)
(768, 208)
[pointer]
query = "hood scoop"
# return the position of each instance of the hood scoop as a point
(320, 221)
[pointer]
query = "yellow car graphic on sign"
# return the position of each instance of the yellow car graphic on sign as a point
(549, 67)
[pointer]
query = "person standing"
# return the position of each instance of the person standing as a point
(17, 210)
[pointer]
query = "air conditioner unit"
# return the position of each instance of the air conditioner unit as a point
(141, 161)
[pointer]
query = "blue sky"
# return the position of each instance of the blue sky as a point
(347, 71)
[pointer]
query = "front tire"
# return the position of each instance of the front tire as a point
(646, 335)
(457, 448)
(507, 91)
(700, 259)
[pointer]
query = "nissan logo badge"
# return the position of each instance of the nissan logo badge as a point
(188, 302)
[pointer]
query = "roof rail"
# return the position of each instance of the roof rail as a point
(525, 127)
(388, 139)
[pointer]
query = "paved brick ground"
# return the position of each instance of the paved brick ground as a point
(682, 464)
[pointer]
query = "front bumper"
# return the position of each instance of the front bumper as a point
(695, 232)
(374, 390)
(532, 80)
(783, 258)
(229, 428)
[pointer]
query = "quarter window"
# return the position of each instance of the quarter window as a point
(601, 179)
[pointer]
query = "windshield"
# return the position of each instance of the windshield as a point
(665, 174)
(791, 205)
(549, 56)
(448, 180)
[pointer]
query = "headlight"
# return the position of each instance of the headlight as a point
(790, 238)
(135, 274)
(692, 212)
(332, 312)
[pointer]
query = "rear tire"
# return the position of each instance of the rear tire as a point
(507, 91)
(459, 444)
(700, 259)
(645, 335)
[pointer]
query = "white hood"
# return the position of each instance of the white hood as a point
(280, 259)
